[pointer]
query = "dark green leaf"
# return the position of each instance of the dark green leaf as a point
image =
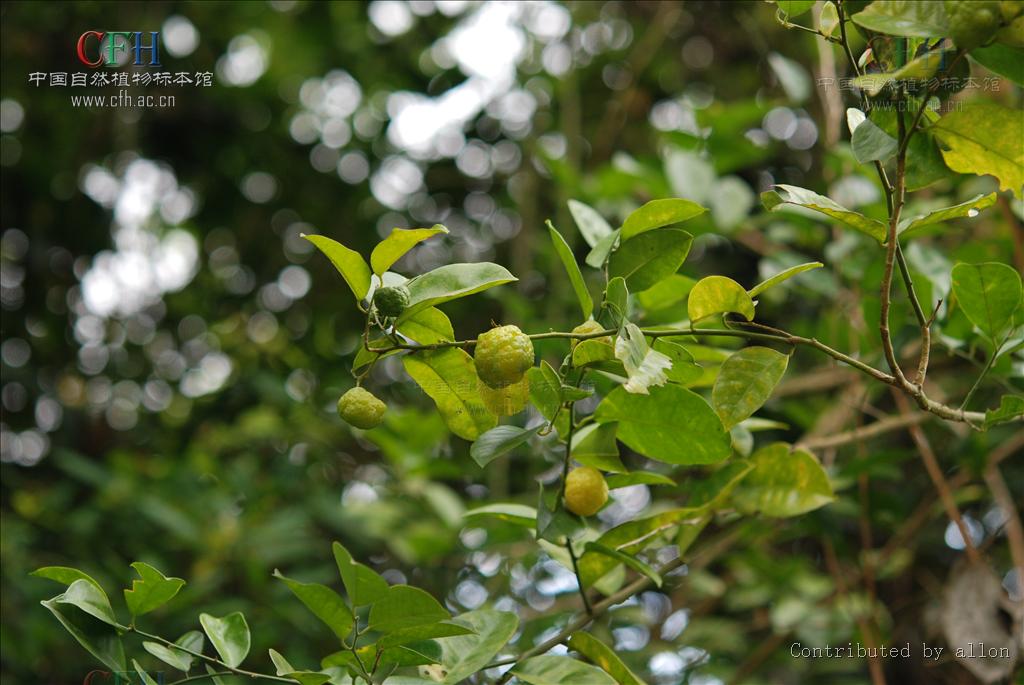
(349, 263)
(782, 195)
(559, 670)
(451, 282)
(650, 257)
(784, 483)
(153, 589)
(405, 606)
(604, 247)
(108, 651)
(870, 143)
(1011, 408)
(970, 208)
(513, 513)
(604, 657)
(498, 441)
(988, 294)
(630, 561)
(911, 18)
(229, 635)
(362, 584)
(285, 669)
(624, 480)
(1005, 60)
(595, 445)
(90, 599)
(464, 655)
(325, 604)
(579, 286)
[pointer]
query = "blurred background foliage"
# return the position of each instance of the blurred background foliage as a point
(172, 350)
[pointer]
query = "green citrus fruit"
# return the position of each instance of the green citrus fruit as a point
(507, 400)
(503, 355)
(391, 302)
(591, 326)
(585, 491)
(973, 23)
(358, 407)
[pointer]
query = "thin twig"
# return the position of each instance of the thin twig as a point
(210, 659)
(863, 433)
(1014, 529)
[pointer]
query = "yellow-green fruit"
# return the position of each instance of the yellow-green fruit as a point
(585, 491)
(391, 301)
(1013, 34)
(591, 326)
(507, 400)
(973, 23)
(502, 356)
(358, 407)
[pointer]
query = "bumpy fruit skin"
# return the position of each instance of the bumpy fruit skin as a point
(506, 400)
(392, 301)
(503, 355)
(585, 491)
(358, 407)
(972, 23)
(591, 326)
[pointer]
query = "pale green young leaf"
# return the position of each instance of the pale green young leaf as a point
(598, 255)
(448, 376)
(745, 383)
(283, 668)
(1011, 408)
(89, 598)
(179, 659)
(782, 195)
(604, 657)
(718, 295)
(325, 604)
(650, 257)
(428, 326)
(349, 263)
(658, 214)
(229, 635)
(520, 514)
(398, 242)
(782, 276)
(568, 260)
(671, 424)
(152, 590)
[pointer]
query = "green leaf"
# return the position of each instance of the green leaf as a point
(970, 208)
(650, 257)
(794, 8)
(713, 493)
(181, 660)
(784, 275)
(546, 395)
(64, 575)
(658, 214)
(911, 18)
(745, 382)
(684, 369)
(667, 293)
(448, 376)
(520, 514)
(1005, 60)
(405, 606)
(498, 441)
(616, 300)
(792, 76)
(989, 294)
(718, 295)
(362, 584)
(984, 138)
(109, 651)
(451, 282)
(604, 247)
(465, 655)
(153, 589)
(783, 483)
(559, 670)
(630, 561)
(349, 263)
(229, 635)
(1011, 408)
(781, 195)
(592, 225)
(828, 20)
(671, 424)
(427, 631)
(89, 598)
(325, 604)
(870, 143)
(918, 70)
(645, 367)
(579, 286)
(428, 326)
(285, 669)
(594, 445)
(624, 480)
(400, 241)
(588, 352)
(604, 657)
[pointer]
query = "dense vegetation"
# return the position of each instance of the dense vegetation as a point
(534, 343)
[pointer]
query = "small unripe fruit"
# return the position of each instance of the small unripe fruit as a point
(391, 301)
(506, 400)
(973, 23)
(359, 408)
(590, 326)
(502, 356)
(585, 491)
